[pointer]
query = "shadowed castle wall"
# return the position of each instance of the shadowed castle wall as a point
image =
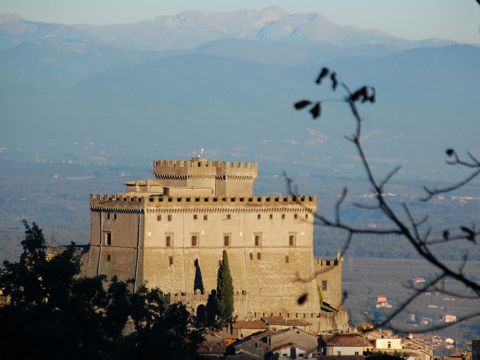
(329, 279)
(123, 256)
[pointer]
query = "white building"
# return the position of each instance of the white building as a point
(344, 344)
(388, 344)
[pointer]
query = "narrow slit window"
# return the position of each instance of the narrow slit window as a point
(169, 217)
(258, 240)
(109, 257)
(194, 240)
(324, 286)
(159, 217)
(226, 240)
(287, 259)
(283, 216)
(168, 240)
(259, 216)
(295, 216)
(108, 238)
(259, 256)
(251, 256)
(195, 217)
(291, 240)
(205, 217)
(170, 260)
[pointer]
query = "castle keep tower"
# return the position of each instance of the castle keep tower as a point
(170, 232)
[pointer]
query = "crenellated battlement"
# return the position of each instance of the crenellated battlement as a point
(225, 178)
(160, 200)
(202, 162)
(323, 263)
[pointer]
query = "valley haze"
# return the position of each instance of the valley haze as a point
(84, 108)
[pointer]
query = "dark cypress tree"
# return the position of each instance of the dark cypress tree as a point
(225, 290)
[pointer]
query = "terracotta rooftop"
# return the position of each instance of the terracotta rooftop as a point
(352, 340)
(254, 324)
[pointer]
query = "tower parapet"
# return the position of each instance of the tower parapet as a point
(225, 178)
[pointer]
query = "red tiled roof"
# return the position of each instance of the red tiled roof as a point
(254, 324)
(352, 340)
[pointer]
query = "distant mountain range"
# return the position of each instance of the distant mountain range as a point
(191, 29)
(227, 82)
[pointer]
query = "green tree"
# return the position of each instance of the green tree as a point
(225, 290)
(53, 312)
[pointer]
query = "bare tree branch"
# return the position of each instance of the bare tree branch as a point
(410, 230)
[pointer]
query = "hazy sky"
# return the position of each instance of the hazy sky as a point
(415, 19)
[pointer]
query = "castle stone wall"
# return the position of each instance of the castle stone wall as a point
(329, 278)
(174, 240)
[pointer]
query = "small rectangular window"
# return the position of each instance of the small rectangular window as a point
(283, 216)
(259, 216)
(271, 216)
(194, 240)
(170, 260)
(205, 217)
(287, 259)
(195, 217)
(108, 238)
(229, 216)
(291, 240)
(159, 217)
(306, 216)
(259, 256)
(226, 240)
(295, 216)
(109, 257)
(258, 240)
(324, 285)
(168, 240)
(114, 216)
(251, 256)
(169, 217)
(108, 215)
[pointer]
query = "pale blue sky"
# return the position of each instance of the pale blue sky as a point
(414, 19)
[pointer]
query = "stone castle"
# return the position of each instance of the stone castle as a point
(170, 232)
